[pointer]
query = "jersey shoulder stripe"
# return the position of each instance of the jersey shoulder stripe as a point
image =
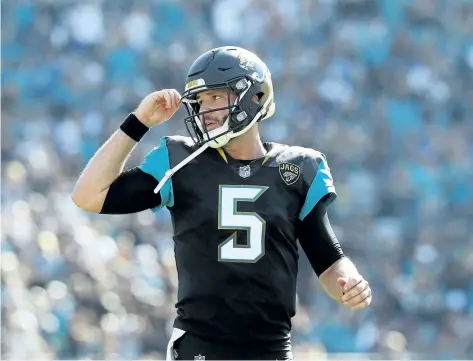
(157, 163)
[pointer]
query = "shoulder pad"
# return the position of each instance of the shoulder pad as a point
(310, 162)
(179, 148)
(179, 139)
(307, 159)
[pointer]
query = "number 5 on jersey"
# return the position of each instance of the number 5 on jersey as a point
(251, 222)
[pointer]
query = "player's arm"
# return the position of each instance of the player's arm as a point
(337, 274)
(324, 252)
(108, 162)
(131, 192)
(101, 172)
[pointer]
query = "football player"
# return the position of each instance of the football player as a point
(238, 207)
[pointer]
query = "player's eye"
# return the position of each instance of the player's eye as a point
(213, 98)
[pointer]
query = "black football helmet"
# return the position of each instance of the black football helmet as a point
(234, 69)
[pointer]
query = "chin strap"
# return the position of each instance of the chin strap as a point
(171, 172)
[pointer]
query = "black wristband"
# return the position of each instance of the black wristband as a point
(132, 127)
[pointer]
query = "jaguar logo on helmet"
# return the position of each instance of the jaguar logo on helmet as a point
(250, 62)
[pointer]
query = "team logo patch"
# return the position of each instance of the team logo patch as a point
(289, 172)
(250, 62)
(244, 171)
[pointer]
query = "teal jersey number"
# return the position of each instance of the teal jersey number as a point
(251, 222)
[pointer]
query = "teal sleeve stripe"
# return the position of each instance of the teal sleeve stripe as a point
(321, 185)
(156, 163)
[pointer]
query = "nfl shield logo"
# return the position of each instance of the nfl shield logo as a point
(245, 171)
(289, 172)
(200, 357)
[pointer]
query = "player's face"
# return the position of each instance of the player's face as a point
(214, 99)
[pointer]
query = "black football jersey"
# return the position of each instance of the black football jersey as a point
(235, 230)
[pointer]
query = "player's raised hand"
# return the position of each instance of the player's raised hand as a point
(357, 292)
(158, 107)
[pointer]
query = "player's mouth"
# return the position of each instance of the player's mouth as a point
(211, 124)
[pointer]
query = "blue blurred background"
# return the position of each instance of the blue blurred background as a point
(383, 87)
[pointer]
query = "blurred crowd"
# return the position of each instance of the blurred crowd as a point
(383, 87)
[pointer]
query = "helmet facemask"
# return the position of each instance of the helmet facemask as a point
(242, 114)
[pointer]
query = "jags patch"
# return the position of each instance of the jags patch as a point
(289, 172)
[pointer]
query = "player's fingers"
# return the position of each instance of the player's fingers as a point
(160, 97)
(352, 282)
(176, 98)
(168, 98)
(358, 298)
(365, 302)
(172, 103)
(355, 291)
